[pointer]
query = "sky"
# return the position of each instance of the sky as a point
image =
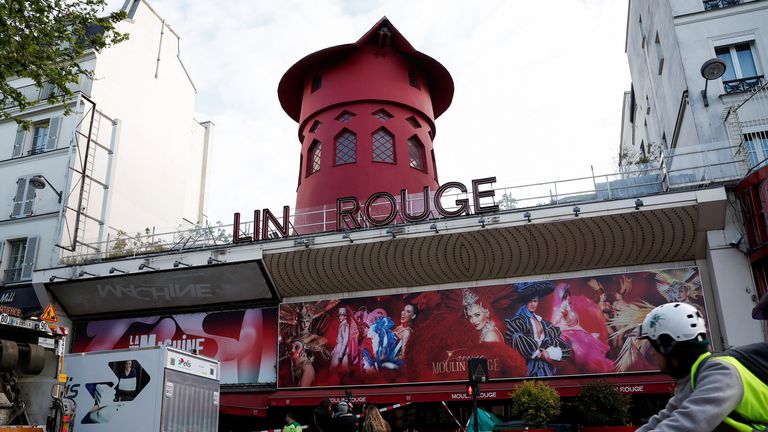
(538, 85)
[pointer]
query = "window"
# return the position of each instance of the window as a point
(346, 147)
(413, 122)
(24, 200)
(719, 4)
(301, 164)
(345, 116)
(741, 70)
(317, 82)
(382, 114)
(41, 138)
(314, 158)
(315, 126)
(434, 164)
(21, 259)
(416, 153)
(659, 54)
(756, 146)
(413, 79)
(383, 146)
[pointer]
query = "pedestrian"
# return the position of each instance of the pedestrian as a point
(291, 425)
(323, 416)
(716, 393)
(344, 420)
(374, 422)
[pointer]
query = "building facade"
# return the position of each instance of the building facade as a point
(675, 119)
(391, 312)
(77, 181)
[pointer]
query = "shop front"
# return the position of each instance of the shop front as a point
(392, 313)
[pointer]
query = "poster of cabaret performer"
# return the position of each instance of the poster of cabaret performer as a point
(244, 341)
(582, 325)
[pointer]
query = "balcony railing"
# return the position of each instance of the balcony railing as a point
(682, 169)
(719, 4)
(35, 94)
(747, 123)
(12, 275)
(742, 84)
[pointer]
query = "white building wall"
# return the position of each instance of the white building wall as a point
(143, 82)
(730, 276)
(156, 177)
(658, 78)
(674, 108)
(699, 34)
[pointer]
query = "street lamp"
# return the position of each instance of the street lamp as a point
(712, 69)
(39, 182)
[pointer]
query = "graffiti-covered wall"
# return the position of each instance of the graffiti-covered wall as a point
(583, 325)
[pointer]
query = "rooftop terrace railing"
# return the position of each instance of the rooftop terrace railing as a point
(693, 167)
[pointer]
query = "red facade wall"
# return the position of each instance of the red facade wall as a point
(753, 197)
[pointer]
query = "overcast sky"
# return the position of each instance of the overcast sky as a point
(538, 85)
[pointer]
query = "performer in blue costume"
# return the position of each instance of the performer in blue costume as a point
(536, 339)
(380, 350)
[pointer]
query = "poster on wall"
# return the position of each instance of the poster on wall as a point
(244, 341)
(581, 325)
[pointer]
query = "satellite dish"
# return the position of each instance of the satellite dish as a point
(37, 182)
(713, 69)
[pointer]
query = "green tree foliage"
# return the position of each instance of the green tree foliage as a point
(535, 402)
(44, 40)
(600, 404)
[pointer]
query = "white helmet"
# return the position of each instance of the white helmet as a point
(678, 321)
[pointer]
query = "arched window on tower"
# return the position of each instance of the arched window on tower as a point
(313, 159)
(383, 146)
(346, 147)
(416, 153)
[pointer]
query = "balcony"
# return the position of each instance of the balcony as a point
(742, 85)
(35, 94)
(12, 275)
(719, 4)
(689, 168)
(747, 124)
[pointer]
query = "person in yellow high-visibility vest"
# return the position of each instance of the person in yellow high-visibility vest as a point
(291, 425)
(720, 395)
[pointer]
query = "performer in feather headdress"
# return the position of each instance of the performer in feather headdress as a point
(297, 323)
(677, 285)
(574, 314)
(479, 317)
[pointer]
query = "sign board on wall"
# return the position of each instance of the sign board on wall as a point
(574, 326)
(209, 285)
(243, 341)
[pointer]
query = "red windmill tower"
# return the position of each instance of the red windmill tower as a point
(366, 114)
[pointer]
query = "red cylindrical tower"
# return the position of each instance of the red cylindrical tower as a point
(366, 114)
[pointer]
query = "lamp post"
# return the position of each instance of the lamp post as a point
(39, 182)
(712, 69)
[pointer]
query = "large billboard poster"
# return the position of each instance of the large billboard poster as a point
(582, 325)
(244, 341)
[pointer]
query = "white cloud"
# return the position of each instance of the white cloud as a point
(538, 85)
